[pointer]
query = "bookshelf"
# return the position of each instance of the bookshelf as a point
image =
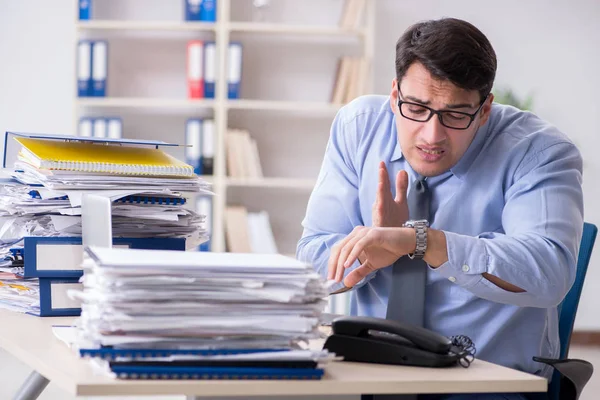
(161, 116)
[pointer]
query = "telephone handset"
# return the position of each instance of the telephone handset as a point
(376, 340)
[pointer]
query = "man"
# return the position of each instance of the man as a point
(506, 207)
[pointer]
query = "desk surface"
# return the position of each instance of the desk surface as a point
(30, 339)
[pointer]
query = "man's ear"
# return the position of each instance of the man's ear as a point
(486, 109)
(394, 95)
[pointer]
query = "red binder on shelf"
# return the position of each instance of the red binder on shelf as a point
(195, 73)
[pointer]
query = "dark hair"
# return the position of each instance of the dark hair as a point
(450, 49)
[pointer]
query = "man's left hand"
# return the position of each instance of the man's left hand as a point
(381, 247)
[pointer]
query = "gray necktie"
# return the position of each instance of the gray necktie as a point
(407, 296)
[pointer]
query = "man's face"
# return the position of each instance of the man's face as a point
(430, 147)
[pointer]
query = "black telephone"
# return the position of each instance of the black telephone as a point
(382, 341)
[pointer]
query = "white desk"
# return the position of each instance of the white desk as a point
(30, 339)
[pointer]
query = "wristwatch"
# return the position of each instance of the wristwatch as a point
(420, 226)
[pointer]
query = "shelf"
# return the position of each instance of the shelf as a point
(141, 102)
(276, 105)
(275, 183)
(146, 25)
(253, 27)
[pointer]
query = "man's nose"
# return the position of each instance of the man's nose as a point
(434, 132)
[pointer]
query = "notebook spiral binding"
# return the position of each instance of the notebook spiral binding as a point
(169, 201)
(111, 354)
(217, 373)
(118, 169)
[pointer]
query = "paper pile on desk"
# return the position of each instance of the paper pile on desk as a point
(160, 306)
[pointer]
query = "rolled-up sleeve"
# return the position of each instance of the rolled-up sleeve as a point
(333, 208)
(542, 222)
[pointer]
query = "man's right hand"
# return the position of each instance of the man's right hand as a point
(387, 210)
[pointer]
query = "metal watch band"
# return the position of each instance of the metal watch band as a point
(420, 227)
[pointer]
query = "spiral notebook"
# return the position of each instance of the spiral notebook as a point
(102, 158)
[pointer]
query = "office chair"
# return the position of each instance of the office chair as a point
(571, 375)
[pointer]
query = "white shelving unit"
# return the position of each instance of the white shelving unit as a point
(221, 107)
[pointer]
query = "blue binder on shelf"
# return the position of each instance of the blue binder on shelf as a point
(210, 67)
(54, 301)
(99, 67)
(208, 10)
(193, 141)
(84, 68)
(234, 72)
(85, 10)
(110, 353)
(192, 10)
(61, 257)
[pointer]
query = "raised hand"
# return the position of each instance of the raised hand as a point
(387, 210)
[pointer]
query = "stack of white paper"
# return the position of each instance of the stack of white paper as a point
(195, 300)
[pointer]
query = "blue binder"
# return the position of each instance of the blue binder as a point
(192, 10)
(193, 141)
(53, 297)
(210, 67)
(99, 67)
(60, 257)
(234, 73)
(85, 10)
(204, 373)
(84, 68)
(208, 10)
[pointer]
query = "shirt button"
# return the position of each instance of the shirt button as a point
(465, 268)
(452, 279)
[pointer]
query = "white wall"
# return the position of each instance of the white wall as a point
(549, 48)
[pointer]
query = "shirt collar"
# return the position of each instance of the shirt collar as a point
(397, 153)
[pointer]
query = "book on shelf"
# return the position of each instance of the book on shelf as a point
(248, 232)
(210, 69)
(350, 80)
(243, 160)
(92, 68)
(352, 14)
(201, 10)
(234, 70)
(85, 10)
(195, 66)
(200, 148)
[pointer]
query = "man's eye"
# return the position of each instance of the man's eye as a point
(417, 110)
(455, 116)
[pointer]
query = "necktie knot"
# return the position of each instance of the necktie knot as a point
(419, 199)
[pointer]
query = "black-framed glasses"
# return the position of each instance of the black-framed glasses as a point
(450, 119)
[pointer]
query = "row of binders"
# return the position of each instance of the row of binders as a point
(149, 314)
(200, 145)
(47, 179)
(195, 10)
(100, 127)
(92, 68)
(202, 66)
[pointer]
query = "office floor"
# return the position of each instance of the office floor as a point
(13, 373)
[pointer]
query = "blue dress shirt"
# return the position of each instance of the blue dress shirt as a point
(512, 207)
